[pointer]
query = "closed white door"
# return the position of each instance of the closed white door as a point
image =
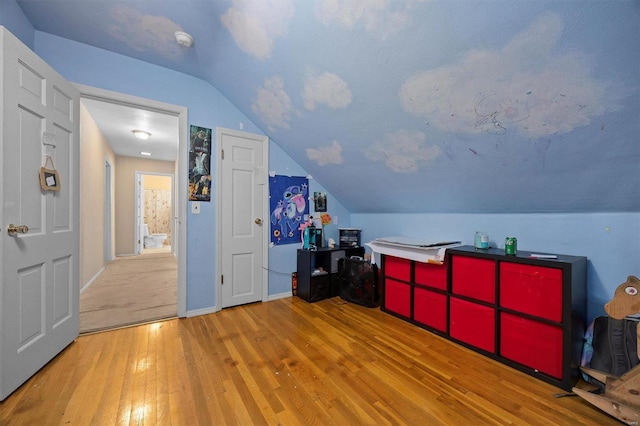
(242, 199)
(39, 299)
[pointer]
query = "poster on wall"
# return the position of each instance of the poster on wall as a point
(289, 206)
(320, 201)
(199, 164)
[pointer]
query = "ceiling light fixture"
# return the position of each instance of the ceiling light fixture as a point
(141, 134)
(184, 39)
(147, 154)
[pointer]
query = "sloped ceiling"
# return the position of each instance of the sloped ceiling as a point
(409, 105)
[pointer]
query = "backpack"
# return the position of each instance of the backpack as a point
(358, 281)
(614, 346)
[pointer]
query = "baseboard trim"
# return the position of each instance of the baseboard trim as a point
(203, 311)
(279, 296)
(95, 277)
(213, 310)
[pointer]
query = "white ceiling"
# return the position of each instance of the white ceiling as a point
(117, 122)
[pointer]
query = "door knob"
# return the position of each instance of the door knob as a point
(17, 229)
(258, 221)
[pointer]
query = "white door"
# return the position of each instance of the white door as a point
(39, 299)
(139, 243)
(243, 221)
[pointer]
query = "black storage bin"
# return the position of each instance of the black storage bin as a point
(358, 281)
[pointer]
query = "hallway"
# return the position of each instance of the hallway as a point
(131, 290)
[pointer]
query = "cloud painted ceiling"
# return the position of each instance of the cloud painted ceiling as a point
(409, 105)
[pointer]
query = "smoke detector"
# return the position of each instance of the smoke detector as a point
(184, 39)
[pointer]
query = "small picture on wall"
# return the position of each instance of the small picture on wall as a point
(200, 164)
(320, 201)
(49, 179)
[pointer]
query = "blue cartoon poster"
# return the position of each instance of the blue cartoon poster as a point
(289, 207)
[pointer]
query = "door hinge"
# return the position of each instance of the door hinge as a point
(222, 154)
(222, 279)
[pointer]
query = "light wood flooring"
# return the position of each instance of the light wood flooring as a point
(285, 362)
(131, 290)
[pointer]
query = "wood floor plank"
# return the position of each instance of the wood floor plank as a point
(285, 362)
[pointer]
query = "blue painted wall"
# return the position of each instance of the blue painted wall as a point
(12, 18)
(610, 241)
(282, 259)
(91, 66)
(95, 67)
(87, 65)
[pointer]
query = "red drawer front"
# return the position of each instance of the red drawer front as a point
(472, 323)
(531, 343)
(430, 308)
(531, 289)
(397, 268)
(397, 297)
(431, 275)
(474, 277)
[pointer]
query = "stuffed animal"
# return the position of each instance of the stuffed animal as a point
(620, 398)
(626, 299)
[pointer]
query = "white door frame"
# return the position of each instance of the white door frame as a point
(265, 214)
(181, 194)
(140, 200)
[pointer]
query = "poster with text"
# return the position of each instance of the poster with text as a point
(289, 207)
(199, 164)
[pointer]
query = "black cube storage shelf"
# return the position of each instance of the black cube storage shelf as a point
(313, 287)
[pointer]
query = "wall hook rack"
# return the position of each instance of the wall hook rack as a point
(48, 138)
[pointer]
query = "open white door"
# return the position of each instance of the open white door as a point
(39, 290)
(243, 217)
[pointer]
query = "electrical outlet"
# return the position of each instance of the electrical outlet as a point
(195, 207)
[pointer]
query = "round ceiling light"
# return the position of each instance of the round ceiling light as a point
(141, 134)
(184, 39)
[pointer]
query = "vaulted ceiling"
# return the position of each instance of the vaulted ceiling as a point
(411, 105)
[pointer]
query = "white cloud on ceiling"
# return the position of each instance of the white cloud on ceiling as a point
(327, 154)
(144, 32)
(328, 89)
(526, 86)
(378, 17)
(272, 104)
(403, 151)
(255, 23)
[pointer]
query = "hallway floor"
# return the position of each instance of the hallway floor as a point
(131, 290)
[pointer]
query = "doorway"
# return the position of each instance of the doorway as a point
(178, 216)
(154, 212)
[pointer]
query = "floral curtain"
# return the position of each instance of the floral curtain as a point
(157, 212)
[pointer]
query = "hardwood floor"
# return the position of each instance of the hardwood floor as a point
(284, 362)
(131, 290)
